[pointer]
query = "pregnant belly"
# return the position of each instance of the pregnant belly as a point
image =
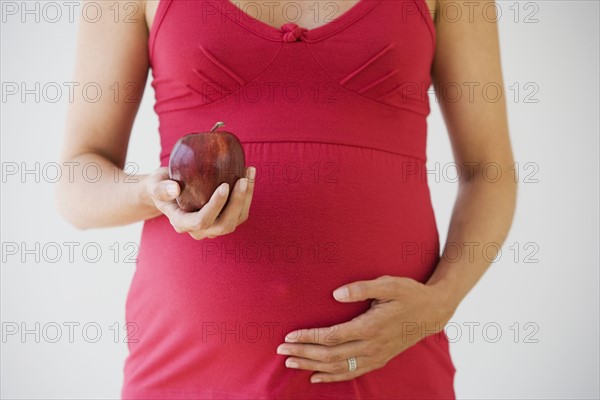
(322, 215)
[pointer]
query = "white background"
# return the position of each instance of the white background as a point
(552, 303)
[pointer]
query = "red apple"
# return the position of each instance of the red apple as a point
(200, 162)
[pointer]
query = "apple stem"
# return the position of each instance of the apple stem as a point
(217, 126)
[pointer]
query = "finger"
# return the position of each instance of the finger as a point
(165, 191)
(161, 187)
(329, 336)
(324, 354)
(385, 287)
(169, 208)
(228, 220)
(199, 220)
(341, 367)
(325, 377)
(250, 175)
(363, 364)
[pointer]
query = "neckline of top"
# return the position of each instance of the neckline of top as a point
(291, 32)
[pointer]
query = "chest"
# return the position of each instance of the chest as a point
(309, 14)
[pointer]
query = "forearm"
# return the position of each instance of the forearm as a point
(97, 193)
(480, 222)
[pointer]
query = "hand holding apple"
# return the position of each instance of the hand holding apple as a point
(206, 223)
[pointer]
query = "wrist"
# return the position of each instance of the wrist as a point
(446, 297)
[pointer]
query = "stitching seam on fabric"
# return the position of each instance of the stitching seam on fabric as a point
(161, 11)
(358, 94)
(424, 11)
(230, 93)
(337, 144)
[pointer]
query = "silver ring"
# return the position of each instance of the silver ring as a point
(351, 364)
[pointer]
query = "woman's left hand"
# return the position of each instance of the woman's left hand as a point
(403, 312)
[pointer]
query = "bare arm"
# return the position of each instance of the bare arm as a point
(108, 53)
(468, 54)
(114, 54)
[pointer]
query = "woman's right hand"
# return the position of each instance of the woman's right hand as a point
(206, 223)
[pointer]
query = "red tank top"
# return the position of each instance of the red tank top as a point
(334, 119)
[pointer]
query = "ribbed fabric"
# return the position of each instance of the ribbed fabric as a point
(334, 119)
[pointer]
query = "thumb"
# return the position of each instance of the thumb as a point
(384, 287)
(166, 190)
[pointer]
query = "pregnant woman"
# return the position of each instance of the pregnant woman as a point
(323, 277)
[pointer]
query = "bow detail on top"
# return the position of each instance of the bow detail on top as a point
(292, 32)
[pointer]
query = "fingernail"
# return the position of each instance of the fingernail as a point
(223, 189)
(341, 293)
(291, 364)
(251, 173)
(243, 184)
(283, 350)
(315, 380)
(171, 189)
(290, 338)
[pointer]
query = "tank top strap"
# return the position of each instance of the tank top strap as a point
(161, 10)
